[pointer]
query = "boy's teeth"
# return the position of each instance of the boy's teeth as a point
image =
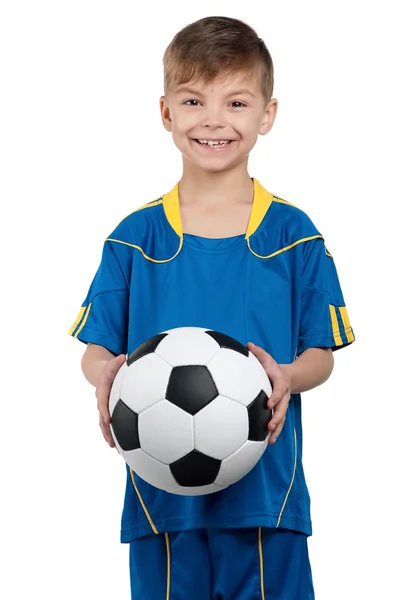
(214, 143)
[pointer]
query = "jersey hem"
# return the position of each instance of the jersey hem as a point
(268, 520)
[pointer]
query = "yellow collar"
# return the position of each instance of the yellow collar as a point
(261, 202)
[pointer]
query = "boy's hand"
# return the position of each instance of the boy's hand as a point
(281, 385)
(104, 385)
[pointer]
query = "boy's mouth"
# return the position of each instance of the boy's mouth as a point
(214, 143)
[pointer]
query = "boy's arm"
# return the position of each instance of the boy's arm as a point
(93, 361)
(312, 368)
(100, 368)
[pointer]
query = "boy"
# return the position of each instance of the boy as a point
(221, 252)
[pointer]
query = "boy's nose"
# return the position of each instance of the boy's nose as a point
(213, 118)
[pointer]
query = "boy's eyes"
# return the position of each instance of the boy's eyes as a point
(235, 104)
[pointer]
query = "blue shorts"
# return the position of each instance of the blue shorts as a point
(217, 564)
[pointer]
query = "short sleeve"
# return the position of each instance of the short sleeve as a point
(324, 321)
(103, 316)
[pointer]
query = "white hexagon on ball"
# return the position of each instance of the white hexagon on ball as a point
(240, 463)
(187, 346)
(139, 388)
(221, 428)
(166, 432)
(242, 380)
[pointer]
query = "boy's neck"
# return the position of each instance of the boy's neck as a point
(207, 188)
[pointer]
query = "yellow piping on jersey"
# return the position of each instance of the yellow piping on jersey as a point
(281, 201)
(262, 200)
(148, 516)
(166, 536)
(149, 205)
(260, 553)
(307, 239)
(293, 476)
(143, 253)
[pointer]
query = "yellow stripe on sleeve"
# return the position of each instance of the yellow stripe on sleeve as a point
(335, 326)
(346, 322)
(84, 320)
(78, 319)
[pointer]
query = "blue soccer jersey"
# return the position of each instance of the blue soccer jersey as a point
(276, 286)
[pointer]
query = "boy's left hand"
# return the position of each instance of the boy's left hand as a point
(281, 389)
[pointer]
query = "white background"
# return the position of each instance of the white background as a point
(82, 145)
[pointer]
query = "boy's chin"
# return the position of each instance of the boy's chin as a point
(213, 169)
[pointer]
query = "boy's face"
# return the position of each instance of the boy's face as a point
(216, 125)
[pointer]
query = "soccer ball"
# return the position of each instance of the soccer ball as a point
(188, 411)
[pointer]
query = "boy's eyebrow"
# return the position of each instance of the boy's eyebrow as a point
(190, 90)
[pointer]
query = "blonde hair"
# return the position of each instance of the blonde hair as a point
(216, 46)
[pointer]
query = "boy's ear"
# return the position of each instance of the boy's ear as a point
(165, 113)
(269, 116)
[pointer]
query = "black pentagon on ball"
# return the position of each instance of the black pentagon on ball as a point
(125, 426)
(195, 469)
(146, 348)
(230, 343)
(191, 388)
(259, 417)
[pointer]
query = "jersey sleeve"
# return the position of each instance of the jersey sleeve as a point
(324, 321)
(103, 316)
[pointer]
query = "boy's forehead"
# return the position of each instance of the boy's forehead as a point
(248, 80)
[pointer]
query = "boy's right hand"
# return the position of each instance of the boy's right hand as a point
(104, 385)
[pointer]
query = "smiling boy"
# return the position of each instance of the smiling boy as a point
(220, 251)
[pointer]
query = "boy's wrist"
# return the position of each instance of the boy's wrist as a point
(288, 373)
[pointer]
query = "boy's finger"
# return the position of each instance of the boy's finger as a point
(278, 393)
(279, 412)
(102, 394)
(106, 432)
(105, 385)
(275, 399)
(275, 434)
(263, 356)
